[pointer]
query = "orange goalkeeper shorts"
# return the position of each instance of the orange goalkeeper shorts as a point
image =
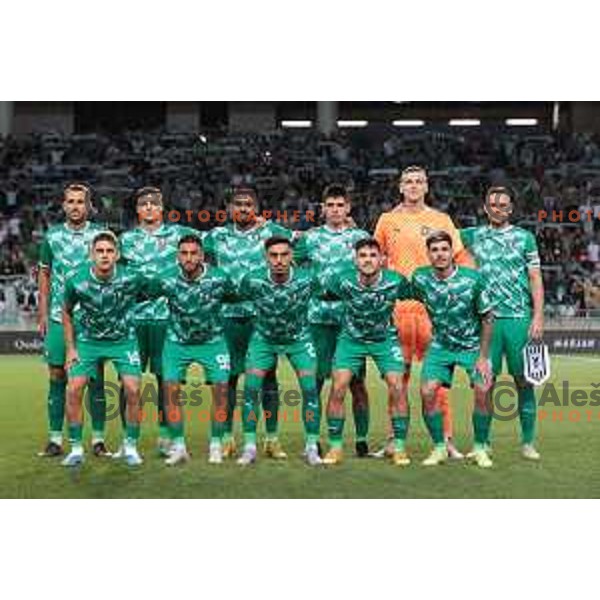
(414, 330)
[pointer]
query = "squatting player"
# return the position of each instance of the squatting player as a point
(402, 234)
(238, 247)
(328, 248)
(65, 247)
(460, 309)
(509, 260)
(104, 294)
(368, 295)
(280, 294)
(151, 247)
(194, 291)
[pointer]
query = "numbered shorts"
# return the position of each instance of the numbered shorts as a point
(325, 339)
(414, 330)
(151, 340)
(124, 355)
(262, 354)
(237, 334)
(212, 356)
(54, 345)
(350, 355)
(440, 364)
(509, 338)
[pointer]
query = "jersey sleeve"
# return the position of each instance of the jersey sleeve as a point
(483, 299)
(404, 290)
(330, 285)
(467, 236)
(416, 287)
(126, 245)
(532, 255)
(45, 254)
(69, 295)
(301, 250)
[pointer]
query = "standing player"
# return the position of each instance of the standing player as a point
(328, 248)
(461, 312)
(236, 248)
(104, 294)
(150, 248)
(368, 295)
(65, 247)
(194, 292)
(402, 234)
(509, 260)
(280, 294)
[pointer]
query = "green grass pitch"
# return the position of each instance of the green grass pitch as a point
(571, 451)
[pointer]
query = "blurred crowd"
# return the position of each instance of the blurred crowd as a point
(551, 172)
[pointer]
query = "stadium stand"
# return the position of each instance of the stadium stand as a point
(550, 172)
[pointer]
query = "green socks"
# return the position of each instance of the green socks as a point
(76, 435)
(335, 426)
(251, 411)
(527, 414)
(400, 429)
(435, 426)
(97, 408)
(270, 403)
(132, 432)
(311, 415)
(481, 427)
(56, 406)
(361, 421)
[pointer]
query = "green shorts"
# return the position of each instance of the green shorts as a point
(509, 338)
(439, 365)
(237, 335)
(325, 339)
(262, 354)
(212, 356)
(151, 339)
(54, 345)
(351, 354)
(124, 355)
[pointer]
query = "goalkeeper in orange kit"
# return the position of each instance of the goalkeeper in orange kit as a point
(402, 233)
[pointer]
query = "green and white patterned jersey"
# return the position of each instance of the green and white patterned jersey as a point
(367, 315)
(104, 305)
(505, 257)
(152, 253)
(237, 252)
(64, 250)
(194, 304)
(281, 309)
(455, 306)
(327, 251)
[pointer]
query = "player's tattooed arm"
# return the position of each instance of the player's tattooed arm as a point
(536, 283)
(44, 289)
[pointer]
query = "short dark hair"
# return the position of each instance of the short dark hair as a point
(105, 236)
(367, 243)
(243, 192)
(501, 190)
(79, 186)
(438, 236)
(413, 169)
(276, 239)
(190, 238)
(147, 191)
(335, 190)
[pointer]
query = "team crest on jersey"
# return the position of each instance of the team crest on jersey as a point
(162, 243)
(537, 363)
